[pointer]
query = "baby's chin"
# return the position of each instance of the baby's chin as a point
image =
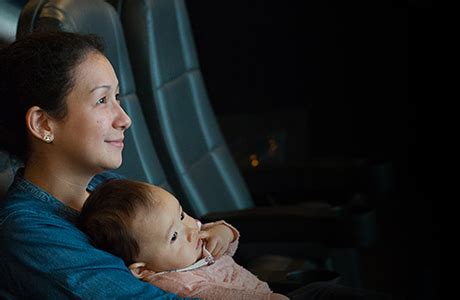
(200, 254)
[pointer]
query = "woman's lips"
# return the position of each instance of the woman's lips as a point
(116, 143)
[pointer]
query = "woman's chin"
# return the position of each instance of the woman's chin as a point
(113, 164)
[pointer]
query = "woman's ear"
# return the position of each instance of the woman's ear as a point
(39, 124)
(139, 271)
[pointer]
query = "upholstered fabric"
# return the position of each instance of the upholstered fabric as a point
(173, 96)
(8, 167)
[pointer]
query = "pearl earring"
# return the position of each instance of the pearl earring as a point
(48, 138)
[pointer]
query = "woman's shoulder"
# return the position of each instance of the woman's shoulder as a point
(21, 213)
(26, 203)
(27, 209)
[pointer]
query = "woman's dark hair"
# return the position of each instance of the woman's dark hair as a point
(38, 69)
(108, 213)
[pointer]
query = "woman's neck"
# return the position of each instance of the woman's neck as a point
(64, 183)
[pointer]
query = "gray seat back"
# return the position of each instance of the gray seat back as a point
(8, 167)
(175, 103)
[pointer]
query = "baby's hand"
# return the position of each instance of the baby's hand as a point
(218, 237)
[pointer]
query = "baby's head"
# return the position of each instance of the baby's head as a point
(141, 223)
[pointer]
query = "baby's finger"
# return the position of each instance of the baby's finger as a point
(217, 251)
(218, 254)
(211, 246)
(203, 235)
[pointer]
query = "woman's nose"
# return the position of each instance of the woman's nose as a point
(123, 121)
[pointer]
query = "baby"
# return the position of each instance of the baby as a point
(146, 226)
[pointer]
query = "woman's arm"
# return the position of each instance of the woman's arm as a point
(43, 256)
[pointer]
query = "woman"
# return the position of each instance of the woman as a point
(64, 120)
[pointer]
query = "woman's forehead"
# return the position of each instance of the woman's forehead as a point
(93, 71)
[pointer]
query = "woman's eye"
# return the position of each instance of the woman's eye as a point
(117, 97)
(174, 237)
(102, 100)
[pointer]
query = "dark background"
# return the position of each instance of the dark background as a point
(330, 79)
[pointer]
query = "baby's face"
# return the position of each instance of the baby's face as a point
(167, 236)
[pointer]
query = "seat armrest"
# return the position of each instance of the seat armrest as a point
(332, 226)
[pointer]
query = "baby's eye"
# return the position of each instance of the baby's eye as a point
(174, 237)
(182, 216)
(102, 100)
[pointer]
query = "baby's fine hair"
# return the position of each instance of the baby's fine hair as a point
(108, 213)
(38, 70)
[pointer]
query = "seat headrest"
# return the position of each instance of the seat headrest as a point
(83, 16)
(8, 167)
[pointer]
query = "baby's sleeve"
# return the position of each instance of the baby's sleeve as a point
(189, 285)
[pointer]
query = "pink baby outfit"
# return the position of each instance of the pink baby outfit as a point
(224, 279)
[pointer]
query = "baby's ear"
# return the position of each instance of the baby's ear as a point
(139, 271)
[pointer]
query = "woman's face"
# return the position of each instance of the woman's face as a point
(90, 138)
(168, 238)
